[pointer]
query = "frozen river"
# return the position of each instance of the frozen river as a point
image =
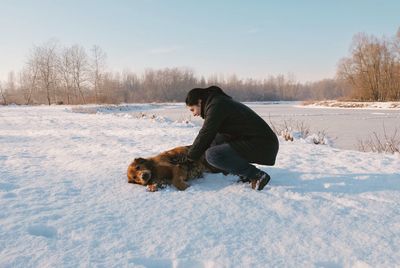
(344, 126)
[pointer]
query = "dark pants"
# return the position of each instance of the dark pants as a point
(221, 155)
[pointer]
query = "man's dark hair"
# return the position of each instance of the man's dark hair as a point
(197, 94)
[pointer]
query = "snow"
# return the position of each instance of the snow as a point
(65, 200)
(387, 105)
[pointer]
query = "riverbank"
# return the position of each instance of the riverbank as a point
(352, 104)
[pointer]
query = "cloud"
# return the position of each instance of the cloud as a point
(165, 50)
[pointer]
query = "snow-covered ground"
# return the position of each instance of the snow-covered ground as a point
(355, 104)
(65, 200)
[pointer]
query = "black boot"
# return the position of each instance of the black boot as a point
(243, 179)
(260, 180)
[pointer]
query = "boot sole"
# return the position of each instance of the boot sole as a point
(261, 183)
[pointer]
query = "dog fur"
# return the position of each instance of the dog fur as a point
(166, 169)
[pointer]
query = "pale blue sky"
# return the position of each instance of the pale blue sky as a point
(249, 38)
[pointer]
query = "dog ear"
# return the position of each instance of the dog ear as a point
(148, 162)
(140, 160)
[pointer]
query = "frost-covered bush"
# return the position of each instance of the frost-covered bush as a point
(319, 138)
(291, 130)
(388, 143)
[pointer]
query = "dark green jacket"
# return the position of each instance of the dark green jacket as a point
(241, 127)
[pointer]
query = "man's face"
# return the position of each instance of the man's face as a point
(195, 109)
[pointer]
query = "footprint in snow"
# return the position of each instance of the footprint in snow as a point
(9, 196)
(42, 230)
(5, 186)
(169, 263)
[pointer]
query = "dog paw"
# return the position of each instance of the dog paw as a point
(152, 188)
(182, 186)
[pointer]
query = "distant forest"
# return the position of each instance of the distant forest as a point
(73, 75)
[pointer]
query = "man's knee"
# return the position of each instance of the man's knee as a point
(213, 155)
(209, 155)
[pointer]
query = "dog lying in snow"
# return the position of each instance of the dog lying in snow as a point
(166, 169)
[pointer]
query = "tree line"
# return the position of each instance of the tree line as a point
(74, 75)
(372, 70)
(55, 74)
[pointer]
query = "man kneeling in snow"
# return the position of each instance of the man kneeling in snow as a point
(232, 136)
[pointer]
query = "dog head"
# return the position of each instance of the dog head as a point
(140, 171)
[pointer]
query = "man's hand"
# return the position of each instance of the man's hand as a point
(182, 159)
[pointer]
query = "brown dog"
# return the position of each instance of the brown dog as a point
(166, 169)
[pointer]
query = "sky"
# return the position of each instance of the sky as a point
(305, 39)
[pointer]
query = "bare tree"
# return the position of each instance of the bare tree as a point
(44, 58)
(11, 88)
(395, 49)
(2, 93)
(29, 80)
(372, 68)
(98, 64)
(79, 61)
(65, 69)
(11, 83)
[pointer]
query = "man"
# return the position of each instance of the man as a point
(232, 136)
